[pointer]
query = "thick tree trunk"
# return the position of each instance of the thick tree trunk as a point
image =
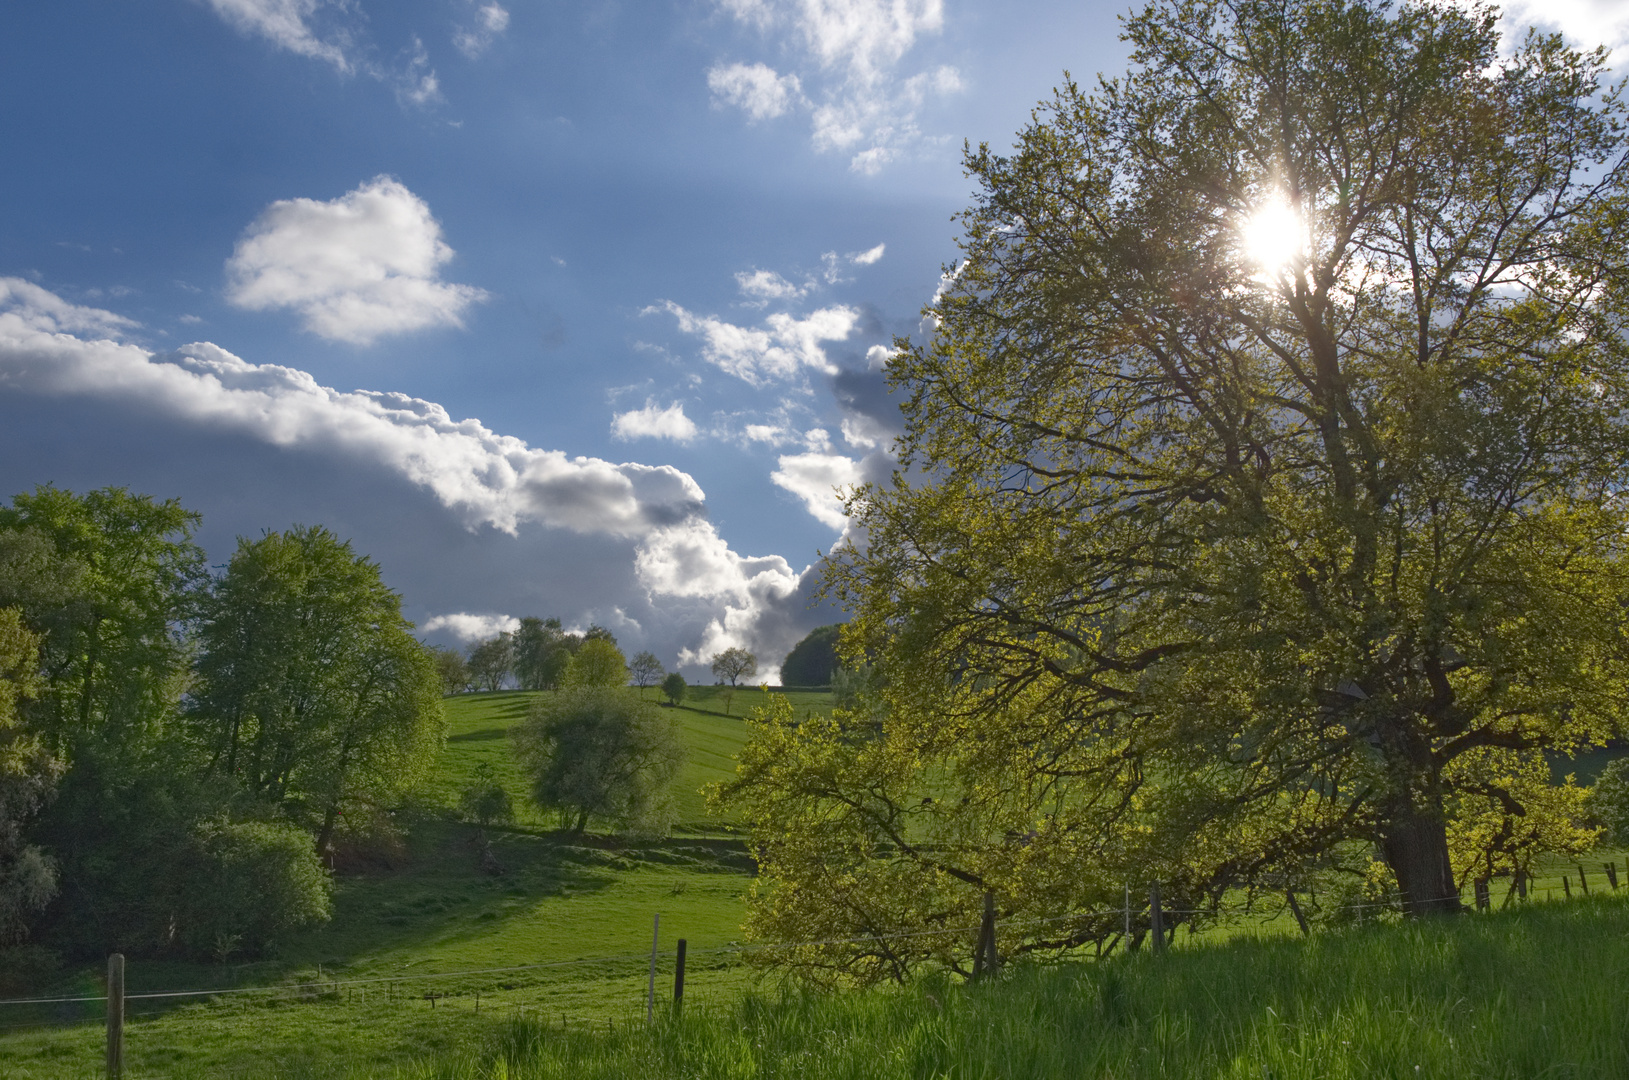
(1414, 839)
(325, 835)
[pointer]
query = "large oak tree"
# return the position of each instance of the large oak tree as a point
(1263, 486)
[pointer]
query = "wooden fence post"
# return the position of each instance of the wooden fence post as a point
(1156, 917)
(1521, 884)
(650, 991)
(1582, 880)
(1566, 885)
(678, 978)
(1611, 869)
(1482, 898)
(115, 1016)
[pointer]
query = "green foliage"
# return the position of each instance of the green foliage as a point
(1505, 812)
(597, 662)
(108, 579)
(849, 685)
(734, 663)
(1220, 571)
(490, 661)
(27, 772)
(312, 694)
(246, 885)
(674, 687)
(452, 669)
(541, 652)
(599, 752)
(484, 800)
(812, 661)
(1609, 801)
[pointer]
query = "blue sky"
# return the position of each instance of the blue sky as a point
(570, 309)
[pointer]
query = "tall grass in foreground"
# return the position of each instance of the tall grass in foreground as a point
(1538, 992)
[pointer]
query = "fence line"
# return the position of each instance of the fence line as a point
(324, 985)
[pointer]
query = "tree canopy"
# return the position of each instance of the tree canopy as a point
(601, 752)
(312, 692)
(597, 662)
(645, 670)
(490, 661)
(1261, 504)
(734, 664)
(541, 652)
(27, 772)
(812, 661)
(100, 599)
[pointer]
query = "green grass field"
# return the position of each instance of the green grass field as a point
(583, 907)
(1536, 991)
(559, 901)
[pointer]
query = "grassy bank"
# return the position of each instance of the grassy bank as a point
(1535, 992)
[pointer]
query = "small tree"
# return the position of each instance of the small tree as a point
(734, 664)
(598, 663)
(645, 669)
(484, 800)
(542, 651)
(490, 661)
(674, 687)
(597, 752)
(453, 670)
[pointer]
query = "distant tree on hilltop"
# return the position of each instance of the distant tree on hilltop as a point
(645, 669)
(734, 664)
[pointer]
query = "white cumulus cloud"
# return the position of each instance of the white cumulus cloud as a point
(851, 50)
(820, 480)
(355, 268)
(287, 24)
(869, 256)
(490, 21)
(680, 572)
(655, 423)
(469, 627)
(767, 285)
(487, 478)
(692, 560)
(756, 89)
(783, 346)
(1584, 23)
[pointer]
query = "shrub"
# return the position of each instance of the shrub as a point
(484, 800)
(250, 883)
(1609, 801)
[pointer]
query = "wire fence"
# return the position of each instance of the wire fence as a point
(1136, 914)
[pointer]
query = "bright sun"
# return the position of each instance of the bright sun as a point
(1274, 236)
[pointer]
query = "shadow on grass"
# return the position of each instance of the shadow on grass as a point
(481, 735)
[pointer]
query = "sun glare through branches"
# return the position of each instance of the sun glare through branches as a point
(1274, 237)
